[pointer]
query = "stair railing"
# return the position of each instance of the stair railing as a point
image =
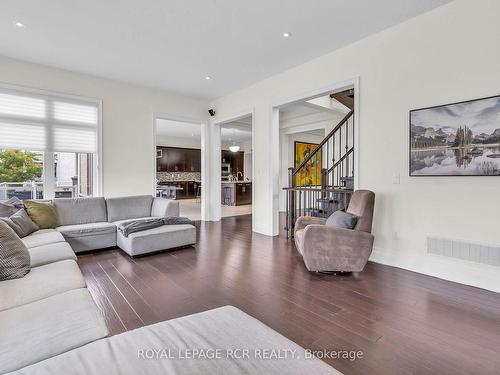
(323, 182)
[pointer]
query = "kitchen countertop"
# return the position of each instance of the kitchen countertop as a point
(174, 181)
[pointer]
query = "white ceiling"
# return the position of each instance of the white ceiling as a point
(173, 45)
(239, 131)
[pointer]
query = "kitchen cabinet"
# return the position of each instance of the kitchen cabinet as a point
(176, 159)
(238, 193)
(234, 159)
(188, 191)
(243, 193)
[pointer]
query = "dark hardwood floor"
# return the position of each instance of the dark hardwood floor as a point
(404, 322)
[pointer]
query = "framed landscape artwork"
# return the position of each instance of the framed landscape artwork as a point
(459, 139)
(311, 174)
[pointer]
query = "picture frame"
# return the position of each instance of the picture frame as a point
(311, 176)
(455, 139)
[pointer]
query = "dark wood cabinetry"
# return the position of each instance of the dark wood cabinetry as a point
(176, 159)
(234, 159)
(243, 193)
(188, 189)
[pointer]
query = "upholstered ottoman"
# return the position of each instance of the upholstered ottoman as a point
(156, 239)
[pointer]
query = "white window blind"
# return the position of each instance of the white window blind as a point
(42, 122)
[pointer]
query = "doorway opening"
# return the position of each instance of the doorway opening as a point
(318, 153)
(236, 167)
(178, 164)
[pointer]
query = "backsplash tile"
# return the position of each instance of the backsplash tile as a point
(178, 176)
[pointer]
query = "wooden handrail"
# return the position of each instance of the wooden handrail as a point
(346, 155)
(327, 138)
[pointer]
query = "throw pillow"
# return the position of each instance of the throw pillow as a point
(14, 256)
(43, 214)
(341, 219)
(10, 206)
(21, 223)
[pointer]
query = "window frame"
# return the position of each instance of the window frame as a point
(48, 157)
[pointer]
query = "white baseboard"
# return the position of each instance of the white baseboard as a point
(459, 271)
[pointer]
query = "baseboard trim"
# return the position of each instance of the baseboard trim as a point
(459, 271)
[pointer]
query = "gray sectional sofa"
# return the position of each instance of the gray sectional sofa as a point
(50, 311)
(91, 223)
(49, 323)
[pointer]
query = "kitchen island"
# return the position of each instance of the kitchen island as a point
(236, 193)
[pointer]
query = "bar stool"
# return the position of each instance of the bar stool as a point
(227, 196)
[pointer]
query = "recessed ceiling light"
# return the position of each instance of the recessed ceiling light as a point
(208, 78)
(19, 24)
(286, 34)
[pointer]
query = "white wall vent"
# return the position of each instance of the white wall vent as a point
(474, 252)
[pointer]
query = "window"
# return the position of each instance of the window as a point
(48, 144)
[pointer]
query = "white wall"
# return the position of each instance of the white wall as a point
(128, 162)
(446, 55)
(192, 142)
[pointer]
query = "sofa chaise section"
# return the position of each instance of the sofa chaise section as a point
(156, 239)
(124, 209)
(225, 328)
(36, 331)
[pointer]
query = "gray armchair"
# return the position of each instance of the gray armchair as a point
(330, 249)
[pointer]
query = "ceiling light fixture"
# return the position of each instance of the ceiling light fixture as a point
(208, 78)
(234, 147)
(286, 34)
(20, 24)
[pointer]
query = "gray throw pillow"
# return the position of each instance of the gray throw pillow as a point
(14, 256)
(341, 219)
(10, 206)
(21, 223)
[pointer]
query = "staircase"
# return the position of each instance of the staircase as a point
(324, 181)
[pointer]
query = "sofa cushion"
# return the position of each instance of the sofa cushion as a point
(341, 219)
(43, 214)
(45, 254)
(43, 237)
(90, 229)
(156, 239)
(72, 211)
(41, 282)
(85, 237)
(21, 223)
(129, 207)
(162, 207)
(14, 255)
(226, 328)
(46, 328)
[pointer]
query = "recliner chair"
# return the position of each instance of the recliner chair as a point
(325, 248)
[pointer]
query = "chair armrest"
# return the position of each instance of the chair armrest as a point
(304, 221)
(349, 248)
(163, 207)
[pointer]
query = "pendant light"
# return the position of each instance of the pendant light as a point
(234, 147)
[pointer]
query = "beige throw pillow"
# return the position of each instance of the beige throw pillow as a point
(21, 223)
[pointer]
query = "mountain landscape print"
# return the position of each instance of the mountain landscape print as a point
(460, 139)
